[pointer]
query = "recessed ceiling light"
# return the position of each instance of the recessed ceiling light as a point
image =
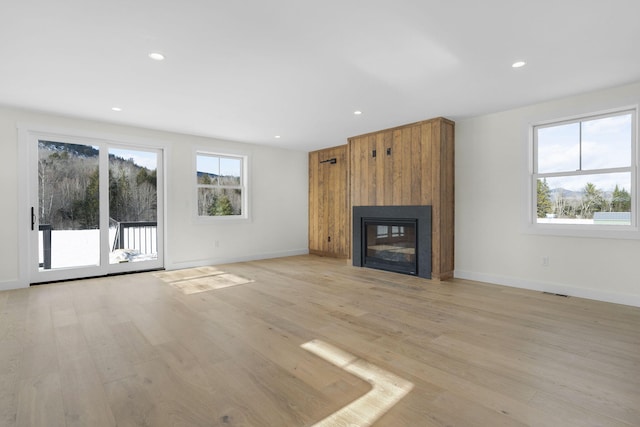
(277, 136)
(116, 108)
(357, 112)
(518, 64)
(156, 56)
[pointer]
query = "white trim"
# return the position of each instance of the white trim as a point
(111, 138)
(26, 134)
(556, 288)
(24, 249)
(246, 215)
(231, 260)
(529, 221)
(7, 286)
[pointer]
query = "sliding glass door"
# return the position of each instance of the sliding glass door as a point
(96, 208)
(133, 206)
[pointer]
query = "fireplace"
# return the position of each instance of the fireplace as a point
(393, 238)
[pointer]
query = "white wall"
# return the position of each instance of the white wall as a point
(278, 192)
(491, 179)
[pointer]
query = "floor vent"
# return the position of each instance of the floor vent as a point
(558, 295)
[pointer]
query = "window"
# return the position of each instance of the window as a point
(584, 172)
(221, 185)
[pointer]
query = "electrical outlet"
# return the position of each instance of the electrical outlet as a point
(545, 261)
(216, 243)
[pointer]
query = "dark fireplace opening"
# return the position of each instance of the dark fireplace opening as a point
(393, 238)
(390, 245)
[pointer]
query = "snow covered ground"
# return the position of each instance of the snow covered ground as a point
(77, 248)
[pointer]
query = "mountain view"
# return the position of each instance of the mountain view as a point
(563, 203)
(68, 187)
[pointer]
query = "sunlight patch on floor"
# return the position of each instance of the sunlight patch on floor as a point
(201, 279)
(387, 388)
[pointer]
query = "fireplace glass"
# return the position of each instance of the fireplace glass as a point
(390, 245)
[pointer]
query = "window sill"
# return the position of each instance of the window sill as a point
(221, 219)
(588, 231)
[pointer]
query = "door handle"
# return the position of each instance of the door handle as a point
(33, 218)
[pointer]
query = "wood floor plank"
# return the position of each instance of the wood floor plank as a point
(108, 356)
(12, 329)
(8, 399)
(571, 384)
(247, 404)
(134, 351)
(85, 400)
(133, 345)
(40, 401)
(132, 405)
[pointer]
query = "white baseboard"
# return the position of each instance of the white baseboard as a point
(7, 286)
(556, 288)
(230, 260)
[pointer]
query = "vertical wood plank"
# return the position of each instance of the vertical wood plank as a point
(364, 170)
(325, 173)
(436, 209)
(347, 199)
(323, 223)
(354, 170)
(313, 200)
(371, 180)
(332, 181)
(387, 165)
(381, 171)
(447, 200)
(406, 172)
(343, 216)
(416, 169)
(425, 164)
(396, 162)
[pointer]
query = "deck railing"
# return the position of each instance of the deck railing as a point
(138, 235)
(46, 246)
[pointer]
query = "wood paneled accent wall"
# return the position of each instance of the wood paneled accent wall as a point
(410, 165)
(329, 204)
(413, 165)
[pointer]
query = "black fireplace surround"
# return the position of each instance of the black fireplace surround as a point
(402, 237)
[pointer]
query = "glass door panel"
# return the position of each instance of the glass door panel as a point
(96, 208)
(133, 206)
(68, 210)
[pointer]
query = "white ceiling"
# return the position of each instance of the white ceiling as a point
(247, 70)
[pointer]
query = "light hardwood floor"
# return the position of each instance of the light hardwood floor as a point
(134, 351)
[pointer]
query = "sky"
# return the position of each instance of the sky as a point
(219, 165)
(606, 144)
(147, 159)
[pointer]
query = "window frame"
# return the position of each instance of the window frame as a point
(243, 187)
(631, 231)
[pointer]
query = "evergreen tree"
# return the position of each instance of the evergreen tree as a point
(544, 199)
(144, 176)
(222, 206)
(205, 179)
(592, 200)
(621, 201)
(87, 209)
(120, 196)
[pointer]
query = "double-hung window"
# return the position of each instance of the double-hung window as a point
(584, 173)
(221, 185)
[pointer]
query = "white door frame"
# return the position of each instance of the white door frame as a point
(28, 197)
